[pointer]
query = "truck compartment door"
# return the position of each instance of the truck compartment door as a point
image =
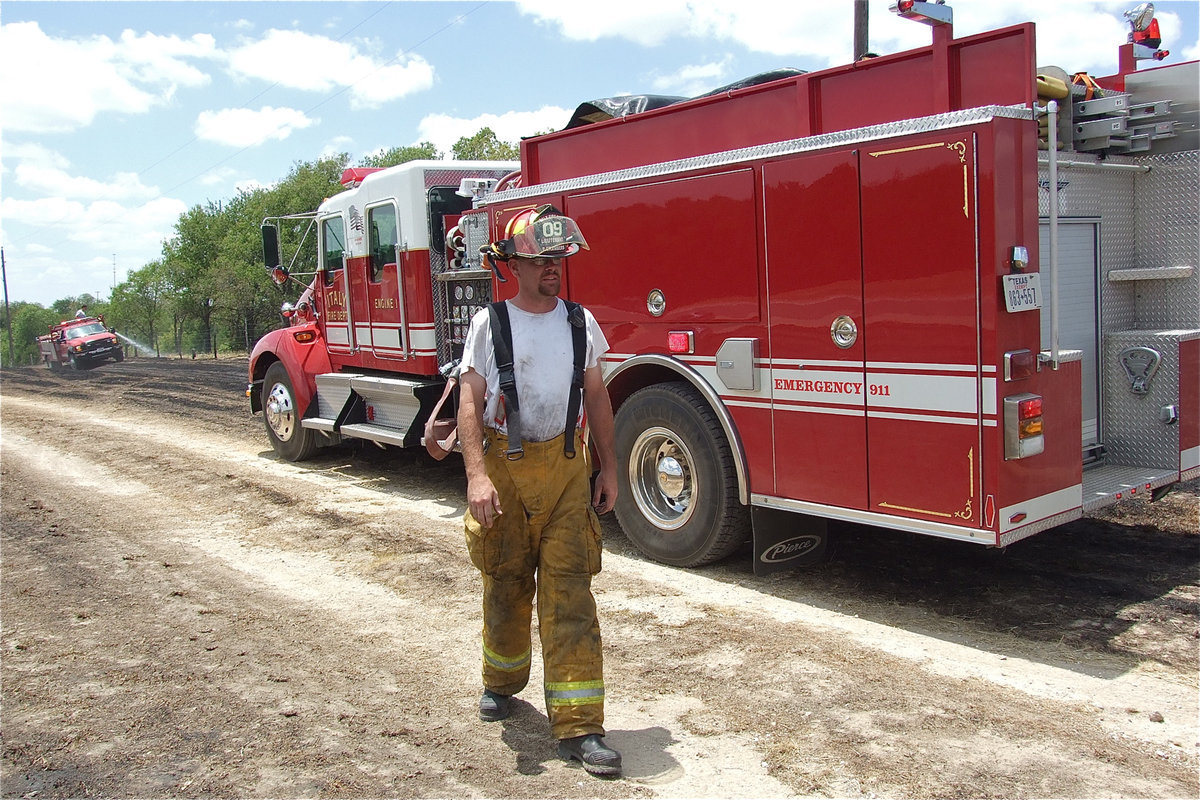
(1078, 308)
(815, 304)
(925, 407)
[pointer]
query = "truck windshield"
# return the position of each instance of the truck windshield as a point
(84, 330)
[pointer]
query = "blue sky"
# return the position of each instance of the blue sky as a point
(116, 117)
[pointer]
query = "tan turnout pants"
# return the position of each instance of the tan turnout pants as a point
(546, 542)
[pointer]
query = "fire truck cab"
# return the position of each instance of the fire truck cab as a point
(383, 312)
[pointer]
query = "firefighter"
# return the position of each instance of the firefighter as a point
(532, 525)
(82, 312)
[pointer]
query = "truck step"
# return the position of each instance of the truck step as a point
(389, 409)
(1107, 484)
(375, 433)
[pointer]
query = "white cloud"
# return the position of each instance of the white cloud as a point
(1076, 35)
(250, 185)
(54, 181)
(300, 60)
(693, 79)
(86, 236)
(34, 154)
(339, 144)
(55, 85)
(444, 130)
(645, 23)
(241, 127)
(218, 177)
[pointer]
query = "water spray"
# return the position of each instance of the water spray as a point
(136, 345)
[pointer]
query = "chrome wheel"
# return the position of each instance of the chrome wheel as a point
(280, 412)
(282, 416)
(660, 474)
(678, 500)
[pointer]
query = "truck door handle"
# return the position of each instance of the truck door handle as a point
(844, 332)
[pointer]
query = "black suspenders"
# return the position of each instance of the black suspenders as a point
(502, 344)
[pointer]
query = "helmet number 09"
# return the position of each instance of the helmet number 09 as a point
(552, 227)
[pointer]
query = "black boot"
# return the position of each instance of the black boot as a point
(494, 707)
(591, 751)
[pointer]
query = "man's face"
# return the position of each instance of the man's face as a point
(540, 275)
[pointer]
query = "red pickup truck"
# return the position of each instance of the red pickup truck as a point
(82, 343)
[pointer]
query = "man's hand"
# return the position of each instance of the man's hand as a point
(600, 422)
(483, 500)
(605, 495)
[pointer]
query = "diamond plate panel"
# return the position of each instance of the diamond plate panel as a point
(1168, 209)
(1134, 435)
(1103, 486)
(1098, 192)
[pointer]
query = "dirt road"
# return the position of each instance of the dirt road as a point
(185, 615)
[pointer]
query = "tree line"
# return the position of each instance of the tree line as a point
(208, 291)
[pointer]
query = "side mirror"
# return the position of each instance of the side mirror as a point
(270, 237)
(279, 275)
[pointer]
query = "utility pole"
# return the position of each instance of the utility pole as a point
(861, 40)
(7, 316)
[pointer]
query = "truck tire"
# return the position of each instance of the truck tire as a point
(120, 356)
(290, 439)
(75, 364)
(678, 494)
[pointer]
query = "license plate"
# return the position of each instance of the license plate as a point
(1023, 291)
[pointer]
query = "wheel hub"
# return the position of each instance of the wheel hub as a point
(279, 412)
(671, 480)
(660, 474)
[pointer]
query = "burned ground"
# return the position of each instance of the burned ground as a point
(185, 615)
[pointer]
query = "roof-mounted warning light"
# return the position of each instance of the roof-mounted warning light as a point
(928, 13)
(352, 177)
(1144, 34)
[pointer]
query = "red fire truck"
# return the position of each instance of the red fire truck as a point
(941, 291)
(81, 343)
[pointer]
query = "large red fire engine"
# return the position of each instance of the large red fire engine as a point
(939, 291)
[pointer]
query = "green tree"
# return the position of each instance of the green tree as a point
(484, 146)
(425, 151)
(29, 321)
(190, 259)
(140, 300)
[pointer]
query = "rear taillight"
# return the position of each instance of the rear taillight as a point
(1023, 426)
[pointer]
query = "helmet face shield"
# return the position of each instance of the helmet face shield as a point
(544, 233)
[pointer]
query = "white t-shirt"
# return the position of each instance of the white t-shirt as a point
(538, 339)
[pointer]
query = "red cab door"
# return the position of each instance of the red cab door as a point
(384, 289)
(333, 286)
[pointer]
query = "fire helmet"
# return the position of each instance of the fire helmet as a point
(543, 232)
